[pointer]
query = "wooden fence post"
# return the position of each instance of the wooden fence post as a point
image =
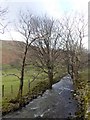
(2, 90)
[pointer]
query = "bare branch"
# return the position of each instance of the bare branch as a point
(5, 75)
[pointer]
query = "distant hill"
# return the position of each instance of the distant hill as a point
(11, 50)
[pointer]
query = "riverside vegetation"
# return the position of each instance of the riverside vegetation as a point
(82, 94)
(11, 85)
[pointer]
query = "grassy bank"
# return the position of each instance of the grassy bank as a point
(11, 86)
(83, 94)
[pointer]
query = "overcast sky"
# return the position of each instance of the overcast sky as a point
(54, 8)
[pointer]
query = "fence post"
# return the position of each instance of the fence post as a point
(12, 89)
(2, 90)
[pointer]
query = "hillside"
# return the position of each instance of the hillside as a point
(11, 51)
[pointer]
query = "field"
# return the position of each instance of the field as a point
(11, 80)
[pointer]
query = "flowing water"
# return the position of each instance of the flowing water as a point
(55, 103)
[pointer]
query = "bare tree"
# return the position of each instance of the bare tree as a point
(74, 30)
(47, 52)
(3, 12)
(25, 28)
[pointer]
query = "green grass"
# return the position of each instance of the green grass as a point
(40, 83)
(84, 89)
(11, 80)
(7, 81)
(89, 116)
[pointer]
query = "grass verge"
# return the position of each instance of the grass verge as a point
(83, 94)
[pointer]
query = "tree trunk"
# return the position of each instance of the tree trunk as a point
(50, 76)
(21, 84)
(72, 72)
(20, 92)
(68, 68)
(22, 75)
(21, 87)
(72, 66)
(76, 74)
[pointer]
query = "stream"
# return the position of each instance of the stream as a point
(55, 103)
